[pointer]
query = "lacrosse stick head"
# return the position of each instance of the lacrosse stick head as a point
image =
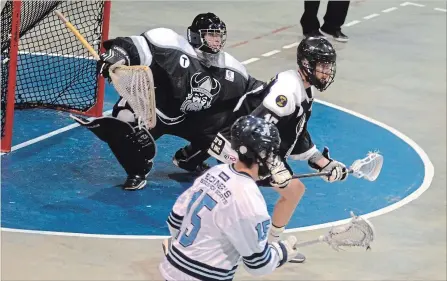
(136, 85)
(359, 232)
(369, 167)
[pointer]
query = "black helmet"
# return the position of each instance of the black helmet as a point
(316, 54)
(255, 139)
(203, 24)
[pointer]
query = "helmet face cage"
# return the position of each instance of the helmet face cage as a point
(255, 139)
(317, 60)
(213, 40)
(320, 73)
(208, 33)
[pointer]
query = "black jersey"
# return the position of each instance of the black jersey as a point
(182, 83)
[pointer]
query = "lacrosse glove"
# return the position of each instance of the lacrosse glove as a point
(114, 55)
(338, 171)
(286, 249)
(280, 175)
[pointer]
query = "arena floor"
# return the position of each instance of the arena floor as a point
(393, 70)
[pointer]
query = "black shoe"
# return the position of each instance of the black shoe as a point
(135, 182)
(314, 33)
(181, 158)
(338, 35)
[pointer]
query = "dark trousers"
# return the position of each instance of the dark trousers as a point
(334, 18)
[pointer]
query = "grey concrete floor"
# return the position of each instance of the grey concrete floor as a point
(393, 70)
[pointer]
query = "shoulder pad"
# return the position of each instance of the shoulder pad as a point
(168, 38)
(282, 98)
(235, 65)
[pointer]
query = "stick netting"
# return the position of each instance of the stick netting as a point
(358, 233)
(368, 167)
(54, 70)
(135, 84)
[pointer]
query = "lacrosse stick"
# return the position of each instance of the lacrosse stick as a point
(368, 168)
(359, 232)
(134, 83)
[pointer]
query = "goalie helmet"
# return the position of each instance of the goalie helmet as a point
(208, 33)
(255, 139)
(316, 59)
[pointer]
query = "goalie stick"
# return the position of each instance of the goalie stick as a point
(134, 83)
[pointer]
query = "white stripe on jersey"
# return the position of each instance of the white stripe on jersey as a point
(197, 269)
(259, 260)
(143, 50)
(174, 220)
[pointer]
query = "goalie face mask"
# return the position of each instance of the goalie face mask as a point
(207, 33)
(316, 59)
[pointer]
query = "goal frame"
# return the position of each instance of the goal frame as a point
(94, 111)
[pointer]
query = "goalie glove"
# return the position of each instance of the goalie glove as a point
(114, 55)
(338, 171)
(280, 175)
(286, 249)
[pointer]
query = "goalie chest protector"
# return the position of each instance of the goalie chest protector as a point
(182, 83)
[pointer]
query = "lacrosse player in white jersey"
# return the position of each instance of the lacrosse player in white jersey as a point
(222, 219)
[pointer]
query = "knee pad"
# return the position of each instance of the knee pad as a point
(126, 115)
(123, 111)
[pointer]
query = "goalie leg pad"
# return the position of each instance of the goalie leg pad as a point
(134, 148)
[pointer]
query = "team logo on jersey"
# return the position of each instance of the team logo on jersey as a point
(203, 89)
(184, 61)
(281, 100)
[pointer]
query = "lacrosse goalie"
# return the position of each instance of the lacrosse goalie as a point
(287, 103)
(222, 218)
(196, 83)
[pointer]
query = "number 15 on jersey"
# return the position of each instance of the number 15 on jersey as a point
(206, 202)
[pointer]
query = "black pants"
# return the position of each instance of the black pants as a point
(199, 128)
(334, 18)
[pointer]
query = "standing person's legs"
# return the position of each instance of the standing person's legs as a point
(334, 19)
(309, 19)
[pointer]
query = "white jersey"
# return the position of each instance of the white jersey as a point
(218, 221)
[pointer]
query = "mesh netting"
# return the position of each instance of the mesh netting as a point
(54, 70)
(359, 232)
(368, 167)
(135, 84)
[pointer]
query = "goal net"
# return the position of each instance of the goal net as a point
(44, 65)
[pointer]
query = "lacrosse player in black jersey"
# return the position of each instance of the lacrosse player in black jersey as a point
(195, 81)
(287, 103)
